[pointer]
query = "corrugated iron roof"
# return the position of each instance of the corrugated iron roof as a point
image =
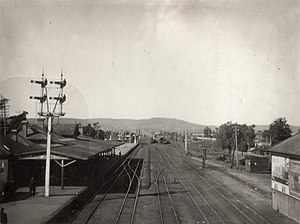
(4, 151)
(65, 129)
(289, 147)
(22, 146)
(83, 148)
(44, 131)
(74, 148)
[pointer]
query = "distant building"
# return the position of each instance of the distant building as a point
(200, 136)
(255, 163)
(286, 177)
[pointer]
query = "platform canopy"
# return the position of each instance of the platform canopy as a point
(34, 146)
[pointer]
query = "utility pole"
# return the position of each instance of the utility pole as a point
(60, 99)
(203, 156)
(4, 111)
(236, 131)
(185, 142)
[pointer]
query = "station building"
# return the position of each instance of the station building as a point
(4, 157)
(73, 161)
(286, 177)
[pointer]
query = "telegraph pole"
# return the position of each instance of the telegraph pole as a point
(236, 131)
(185, 142)
(60, 99)
(4, 109)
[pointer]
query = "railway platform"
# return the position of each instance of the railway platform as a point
(25, 209)
(124, 148)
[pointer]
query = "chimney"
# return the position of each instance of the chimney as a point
(24, 129)
(80, 129)
(14, 135)
(41, 122)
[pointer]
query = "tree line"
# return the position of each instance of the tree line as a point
(278, 131)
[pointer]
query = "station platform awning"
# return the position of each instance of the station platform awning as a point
(63, 148)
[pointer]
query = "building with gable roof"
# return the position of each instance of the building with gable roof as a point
(286, 177)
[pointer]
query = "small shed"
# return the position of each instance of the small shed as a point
(255, 163)
(286, 177)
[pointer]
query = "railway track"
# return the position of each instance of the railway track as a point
(158, 197)
(127, 210)
(179, 192)
(243, 213)
(208, 213)
(127, 169)
(168, 213)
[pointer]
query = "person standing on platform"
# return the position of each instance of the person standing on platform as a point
(32, 187)
(3, 217)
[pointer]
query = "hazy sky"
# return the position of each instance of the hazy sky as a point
(202, 61)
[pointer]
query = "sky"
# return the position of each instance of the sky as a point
(205, 62)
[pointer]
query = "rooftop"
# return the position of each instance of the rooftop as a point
(289, 147)
(35, 143)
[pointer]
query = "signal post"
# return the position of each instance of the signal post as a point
(49, 114)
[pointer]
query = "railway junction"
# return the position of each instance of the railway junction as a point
(160, 184)
(170, 187)
(151, 183)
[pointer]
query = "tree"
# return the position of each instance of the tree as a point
(245, 138)
(88, 130)
(207, 132)
(279, 130)
(225, 136)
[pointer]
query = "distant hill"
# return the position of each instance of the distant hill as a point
(145, 125)
(266, 127)
(150, 125)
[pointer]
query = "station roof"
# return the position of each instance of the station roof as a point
(41, 130)
(82, 148)
(66, 129)
(4, 150)
(15, 148)
(288, 148)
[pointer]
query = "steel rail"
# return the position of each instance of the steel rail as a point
(127, 192)
(238, 200)
(228, 200)
(114, 174)
(197, 190)
(158, 197)
(167, 188)
(107, 192)
(137, 194)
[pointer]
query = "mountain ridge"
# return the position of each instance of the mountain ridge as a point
(154, 124)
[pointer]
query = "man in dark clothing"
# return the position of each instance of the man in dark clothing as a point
(32, 187)
(3, 217)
